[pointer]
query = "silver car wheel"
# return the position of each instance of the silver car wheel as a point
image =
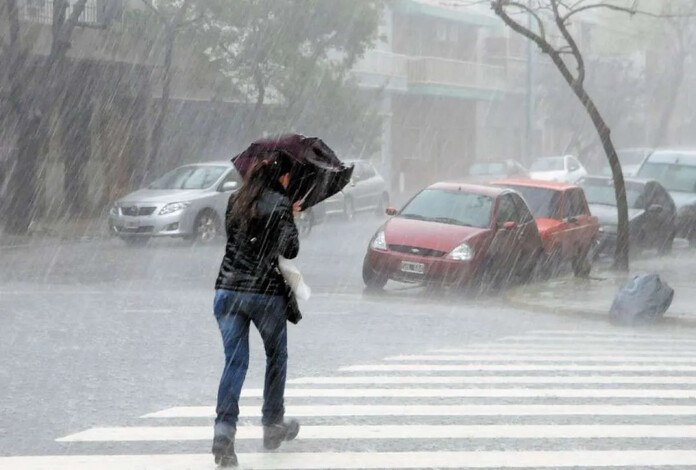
(206, 227)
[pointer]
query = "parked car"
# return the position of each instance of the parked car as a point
(567, 228)
(676, 171)
(497, 169)
(188, 202)
(455, 234)
(564, 169)
(630, 160)
(367, 191)
(651, 213)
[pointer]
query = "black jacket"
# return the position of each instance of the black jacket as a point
(251, 255)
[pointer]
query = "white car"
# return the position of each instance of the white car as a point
(564, 169)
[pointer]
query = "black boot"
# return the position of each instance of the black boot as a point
(275, 434)
(223, 445)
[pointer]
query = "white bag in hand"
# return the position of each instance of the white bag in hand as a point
(293, 277)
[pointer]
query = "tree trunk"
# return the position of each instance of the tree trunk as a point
(576, 84)
(34, 99)
(622, 233)
(158, 129)
(23, 177)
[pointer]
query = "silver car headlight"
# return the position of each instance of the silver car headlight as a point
(174, 207)
(462, 253)
(379, 242)
(115, 209)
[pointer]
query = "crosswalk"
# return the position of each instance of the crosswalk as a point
(545, 399)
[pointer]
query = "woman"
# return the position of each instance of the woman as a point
(260, 228)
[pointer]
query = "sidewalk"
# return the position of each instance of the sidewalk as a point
(47, 231)
(593, 297)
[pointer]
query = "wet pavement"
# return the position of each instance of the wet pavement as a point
(592, 297)
(111, 359)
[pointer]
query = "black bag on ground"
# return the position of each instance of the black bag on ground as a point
(644, 299)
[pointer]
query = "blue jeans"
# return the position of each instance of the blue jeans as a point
(234, 311)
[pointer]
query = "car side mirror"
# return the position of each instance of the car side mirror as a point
(352, 182)
(510, 225)
(655, 208)
(228, 186)
(391, 211)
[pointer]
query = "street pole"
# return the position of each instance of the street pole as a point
(529, 135)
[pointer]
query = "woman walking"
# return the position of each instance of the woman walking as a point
(260, 228)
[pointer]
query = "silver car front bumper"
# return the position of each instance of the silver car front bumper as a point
(176, 224)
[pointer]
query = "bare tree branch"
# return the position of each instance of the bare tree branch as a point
(563, 28)
(13, 18)
(631, 11)
(537, 18)
(152, 8)
(77, 10)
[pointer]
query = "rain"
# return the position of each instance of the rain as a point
(365, 234)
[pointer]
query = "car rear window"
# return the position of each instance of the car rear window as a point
(543, 202)
(450, 207)
(548, 164)
(602, 192)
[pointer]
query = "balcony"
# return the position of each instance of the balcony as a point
(382, 68)
(429, 75)
(435, 71)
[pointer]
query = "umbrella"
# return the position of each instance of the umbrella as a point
(317, 173)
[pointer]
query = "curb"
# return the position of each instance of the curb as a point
(34, 240)
(513, 298)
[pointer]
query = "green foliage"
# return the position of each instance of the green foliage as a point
(293, 57)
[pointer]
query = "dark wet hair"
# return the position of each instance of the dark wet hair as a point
(264, 174)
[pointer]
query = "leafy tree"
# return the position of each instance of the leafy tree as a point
(293, 57)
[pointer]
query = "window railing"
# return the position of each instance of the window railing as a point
(439, 71)
(96, 12)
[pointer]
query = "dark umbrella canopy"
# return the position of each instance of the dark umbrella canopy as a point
(317, 172)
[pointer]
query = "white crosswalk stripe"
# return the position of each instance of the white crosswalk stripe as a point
(554, 399)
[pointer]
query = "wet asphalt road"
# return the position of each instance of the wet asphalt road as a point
(98, 334)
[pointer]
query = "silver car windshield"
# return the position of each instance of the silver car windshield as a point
(190, 177)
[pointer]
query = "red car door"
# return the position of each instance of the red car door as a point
(505, 237)
(579, 227)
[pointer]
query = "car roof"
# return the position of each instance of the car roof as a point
(682, 156)
(553, 157)
(490, 191)
(536, 184)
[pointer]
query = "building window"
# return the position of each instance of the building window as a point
(454, 33)
(441, 32)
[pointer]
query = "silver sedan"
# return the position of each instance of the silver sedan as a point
(188, 202)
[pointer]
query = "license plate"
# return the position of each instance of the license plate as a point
(131, 224)
(414, 268)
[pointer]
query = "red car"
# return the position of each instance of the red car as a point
(454, 234)
(567, 228)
